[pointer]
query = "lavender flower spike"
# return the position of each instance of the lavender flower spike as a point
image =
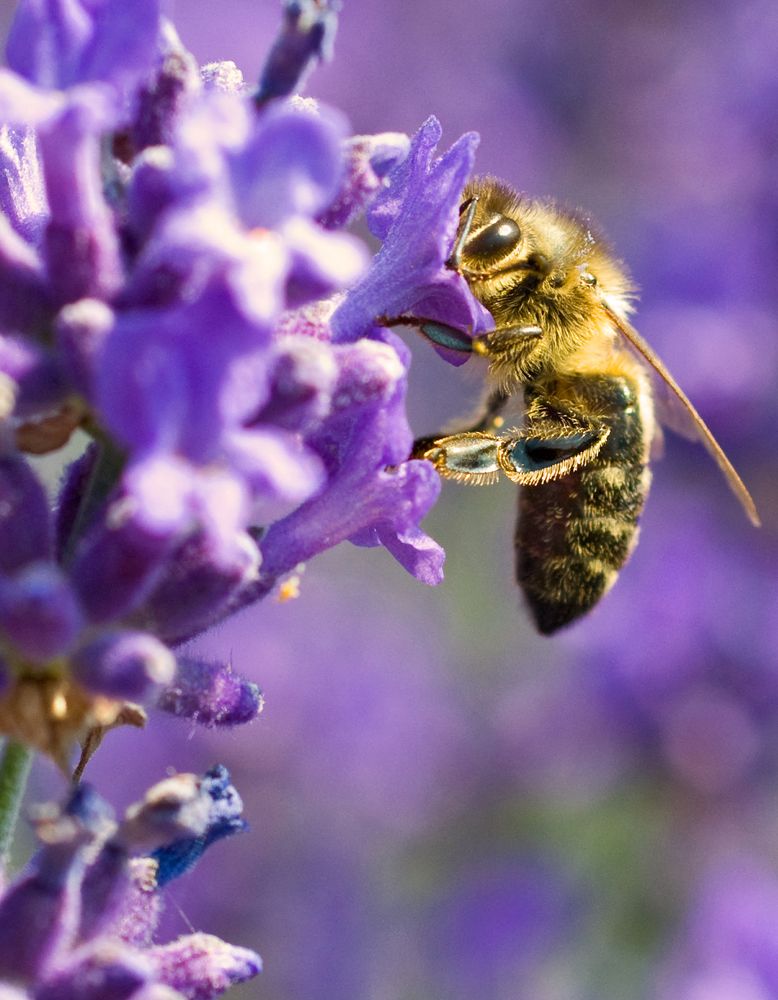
(81, 923)
(305, 39)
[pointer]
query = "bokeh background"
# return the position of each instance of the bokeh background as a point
(444, 805)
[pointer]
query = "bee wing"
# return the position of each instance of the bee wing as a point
(692, 424)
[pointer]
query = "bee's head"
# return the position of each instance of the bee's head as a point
(531, 264)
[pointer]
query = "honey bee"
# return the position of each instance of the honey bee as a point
(593, 389)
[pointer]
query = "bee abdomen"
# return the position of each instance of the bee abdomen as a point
(573, 536)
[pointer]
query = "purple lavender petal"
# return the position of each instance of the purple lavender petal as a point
(289, 166)
(23, 105)
(275, 464)
(212, 694)
(81, 245)
(38, 612)
(368, 160)
(141, 905)
(166, 381)
(202, 966)
(371, 496)
(368, 507)
(416, 215)
(124, 665)
(22, 194)
(320, 262)
(59, 45)
(25, 526)
(306, 38)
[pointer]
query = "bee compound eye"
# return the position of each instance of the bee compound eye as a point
(499, 237)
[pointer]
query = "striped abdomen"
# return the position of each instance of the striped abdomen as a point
(575, 533)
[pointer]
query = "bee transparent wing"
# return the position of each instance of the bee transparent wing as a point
(691, 423)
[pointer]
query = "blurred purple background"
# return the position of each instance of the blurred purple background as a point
(442, 803)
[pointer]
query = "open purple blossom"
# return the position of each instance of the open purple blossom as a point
(80, 921)
(416, 216)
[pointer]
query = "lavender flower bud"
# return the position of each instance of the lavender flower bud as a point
(305, 39)
(123, 665)
(211, 694)
(81, 329)
(204, 966)
(38, 612)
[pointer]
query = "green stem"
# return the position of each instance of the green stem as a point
(14, 769)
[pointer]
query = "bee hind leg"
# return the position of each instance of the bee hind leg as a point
(541, 453)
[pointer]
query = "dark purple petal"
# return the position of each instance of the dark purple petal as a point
(306, 37)
(81, 329)
(25, 525)
(41, 383)
(25, 301)
(416, 552)
(212, 694)
(39, 912)
(104, 970)
(202, 966)
(58, 45)
(198, 584)
(123, 665)
(416, 215)
(39, 614)
(121, 558)
(71, 495)
(368, 159)
(152, 189)
(163, 99)
(302, 380)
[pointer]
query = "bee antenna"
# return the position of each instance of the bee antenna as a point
(456, 254)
